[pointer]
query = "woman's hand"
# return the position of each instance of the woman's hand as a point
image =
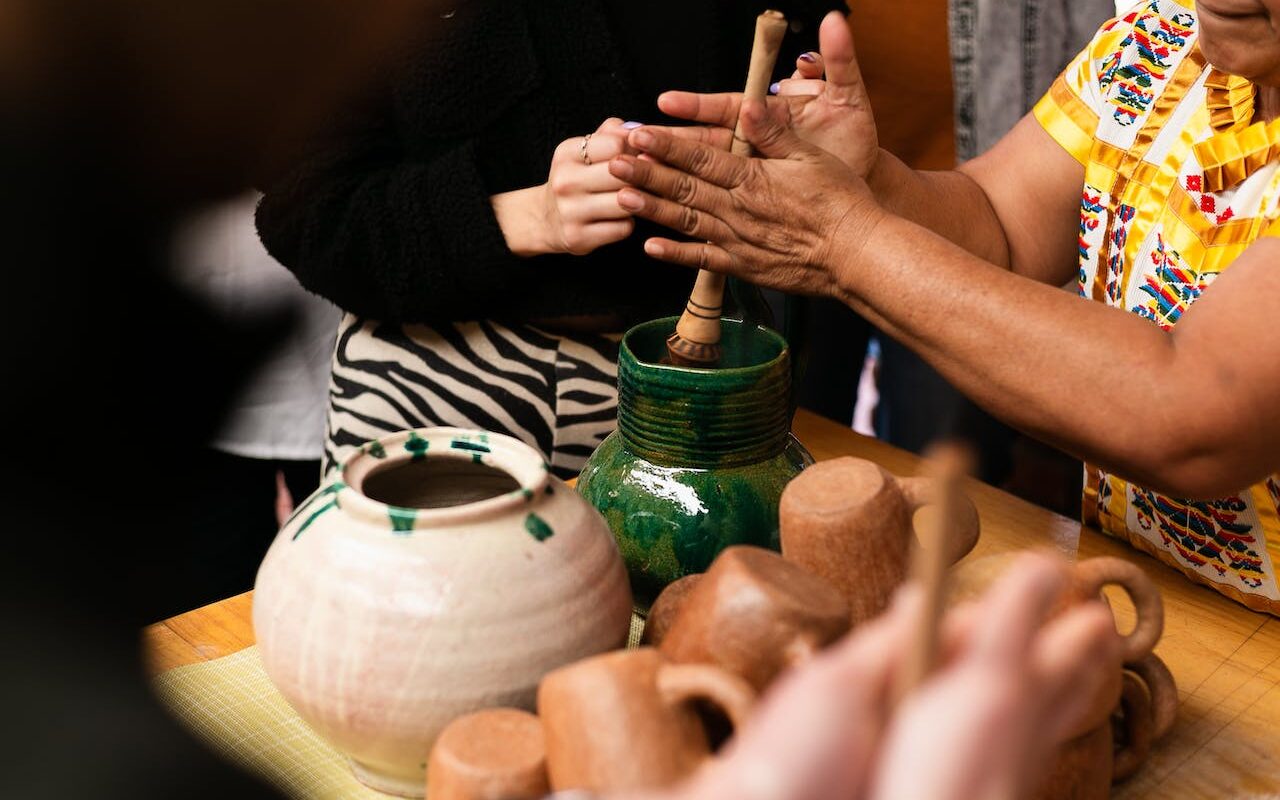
(576, 210)
(790, 221)
(834, 114)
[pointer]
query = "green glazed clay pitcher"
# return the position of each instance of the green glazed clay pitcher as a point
(700, 456)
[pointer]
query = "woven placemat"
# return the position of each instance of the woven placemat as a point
(230, 704)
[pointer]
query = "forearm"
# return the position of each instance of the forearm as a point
(951, 204)
(1041, 359)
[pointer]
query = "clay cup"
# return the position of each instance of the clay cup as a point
(850, 522)
(626, 720)
(494, 754)
(755, 614)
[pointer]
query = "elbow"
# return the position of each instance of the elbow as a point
(1191, 470)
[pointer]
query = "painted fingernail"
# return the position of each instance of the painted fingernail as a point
(630, 199)
(631, 126)
(808, 57)
(774, 87)
(642, 138)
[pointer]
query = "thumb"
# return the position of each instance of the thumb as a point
(770, 133)
(844, 77)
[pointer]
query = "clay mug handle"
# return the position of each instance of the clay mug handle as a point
(1162, 689)
(1093, 574)
(962, 534)
(1135, 705)
(682, 683)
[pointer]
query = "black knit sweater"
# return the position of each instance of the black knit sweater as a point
(390, 217)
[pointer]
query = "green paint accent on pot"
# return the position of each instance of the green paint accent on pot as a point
(463, 444)
(700, 457)
(538, 528)
(325, 498)
(402, 519)
(526, 493)
(376, 449)
(417, 446)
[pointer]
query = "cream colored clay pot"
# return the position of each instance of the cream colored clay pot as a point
(443, 571)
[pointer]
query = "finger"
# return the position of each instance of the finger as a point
(686, 220)
(611, 231)
(603, 146)
(609, 124)
(771, 134)
(808, 65)
(716, 166)
(709, 109)
(593, 179)
(844, 77)
(596, 207)
(699, 255)
(1071, 658)
(582, 239)
(799, 87)
(1016, 606)
(719, 138)
(671, 184)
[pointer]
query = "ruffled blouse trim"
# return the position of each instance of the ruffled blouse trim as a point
(1237, 149)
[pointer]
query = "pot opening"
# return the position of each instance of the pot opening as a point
(741, 345)
(436, 483)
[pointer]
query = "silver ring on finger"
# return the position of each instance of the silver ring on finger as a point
(586, 157)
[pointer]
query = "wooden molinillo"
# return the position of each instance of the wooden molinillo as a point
(696, 342)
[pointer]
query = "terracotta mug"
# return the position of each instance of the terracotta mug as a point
(494, 754)
(664, 609)
(971, 580)
(1084, 768)
(1081, 768)
(850, 522)
(1134, 727)
(755, 614)
(1163, 690)
(627, 720)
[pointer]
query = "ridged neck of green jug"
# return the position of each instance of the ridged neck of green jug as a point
(705, 418)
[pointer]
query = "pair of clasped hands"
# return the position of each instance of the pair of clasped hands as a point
(821, 125)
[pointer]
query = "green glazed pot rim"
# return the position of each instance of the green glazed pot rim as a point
(728, 372)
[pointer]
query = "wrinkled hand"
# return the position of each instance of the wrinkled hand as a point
(778, 222)
(834, 114)
(1012, 682)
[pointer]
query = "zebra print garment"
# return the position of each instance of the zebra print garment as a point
(557, 393)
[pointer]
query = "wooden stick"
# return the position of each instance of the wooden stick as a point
(947, 466)
(696, 342)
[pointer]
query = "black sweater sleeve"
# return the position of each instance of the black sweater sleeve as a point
(383, 235)
(389, 215)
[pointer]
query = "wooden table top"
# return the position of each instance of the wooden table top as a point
(1226, 659)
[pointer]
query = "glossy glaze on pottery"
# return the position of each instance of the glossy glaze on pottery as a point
(627, 721)
(381, 623)
(700, 457)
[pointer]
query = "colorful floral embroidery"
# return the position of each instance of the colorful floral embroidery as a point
(1091, 210)
(1115, 262)
(1136, 72)
(1208, 534)
(1171, 287)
